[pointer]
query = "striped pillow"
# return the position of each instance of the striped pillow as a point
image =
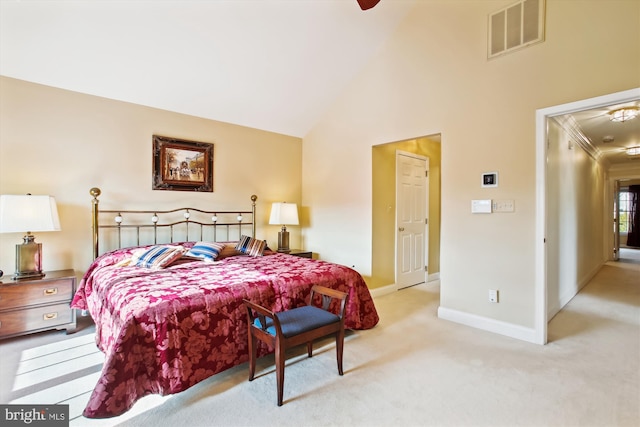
(250, 246)
(206, 250)
(157, 257)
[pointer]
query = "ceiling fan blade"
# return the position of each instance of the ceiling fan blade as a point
(367, 4)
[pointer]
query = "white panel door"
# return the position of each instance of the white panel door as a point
(411, 219)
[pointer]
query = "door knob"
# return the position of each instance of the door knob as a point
(401, 229)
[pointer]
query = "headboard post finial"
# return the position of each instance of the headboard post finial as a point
(95, 192)
(253, 215)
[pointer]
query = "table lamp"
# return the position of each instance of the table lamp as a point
(20, 213)
(283, 214)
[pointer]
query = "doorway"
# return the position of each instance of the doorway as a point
(616, 220)
(543, 121)
(625, 207)
(383, 248)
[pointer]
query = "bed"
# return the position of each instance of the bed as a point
(164, 328)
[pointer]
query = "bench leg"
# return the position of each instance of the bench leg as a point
(252, 355)
(339, 347)
(280, 356)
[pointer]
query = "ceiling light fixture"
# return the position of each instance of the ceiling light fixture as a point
(623, 114)
(633, 151)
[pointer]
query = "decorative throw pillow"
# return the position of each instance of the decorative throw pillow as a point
(206, 250)
(157, 257)
(229, 250)
(250, 246)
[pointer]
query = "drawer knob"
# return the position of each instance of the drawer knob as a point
(50, 316)
(51, 291)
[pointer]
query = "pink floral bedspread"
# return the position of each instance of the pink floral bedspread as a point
(164, 331)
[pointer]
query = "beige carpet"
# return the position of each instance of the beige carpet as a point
(412, 370)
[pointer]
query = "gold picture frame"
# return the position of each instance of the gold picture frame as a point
(182, 165)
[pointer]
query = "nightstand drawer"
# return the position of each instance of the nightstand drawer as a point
(32, 319)
(44, 292)
(38, 304)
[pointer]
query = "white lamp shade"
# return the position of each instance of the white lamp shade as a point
(284, 214)
(27, 213)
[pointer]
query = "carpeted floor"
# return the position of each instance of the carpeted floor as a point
(413, 369)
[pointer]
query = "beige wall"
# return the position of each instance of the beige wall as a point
(383, 259)
(63, 143)
(433, 77)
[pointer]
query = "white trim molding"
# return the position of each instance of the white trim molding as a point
(384, 290)
(488, 324)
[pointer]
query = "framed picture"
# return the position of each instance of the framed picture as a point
(182, 165)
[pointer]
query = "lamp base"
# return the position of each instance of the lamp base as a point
(283, 241)
(28, 259)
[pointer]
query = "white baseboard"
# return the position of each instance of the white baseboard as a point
(468, 319)
(488, 324)
(384, 290)
(555, 307)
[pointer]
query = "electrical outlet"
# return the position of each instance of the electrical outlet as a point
(493, 295)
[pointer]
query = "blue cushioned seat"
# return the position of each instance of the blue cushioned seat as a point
(299, 320)
(296, 326)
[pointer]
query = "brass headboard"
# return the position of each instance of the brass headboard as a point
(170, 224)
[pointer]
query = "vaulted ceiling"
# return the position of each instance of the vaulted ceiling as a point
(274, 65)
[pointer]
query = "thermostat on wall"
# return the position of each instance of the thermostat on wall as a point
(490, 179)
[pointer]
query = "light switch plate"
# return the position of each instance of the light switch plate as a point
(481, 206)
(504, 206)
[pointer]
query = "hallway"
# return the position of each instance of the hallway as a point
(629, 256)
(611, 299)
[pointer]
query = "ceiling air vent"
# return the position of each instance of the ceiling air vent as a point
(516, 26)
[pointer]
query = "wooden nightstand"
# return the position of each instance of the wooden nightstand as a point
(301, 253)
(34, 305)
